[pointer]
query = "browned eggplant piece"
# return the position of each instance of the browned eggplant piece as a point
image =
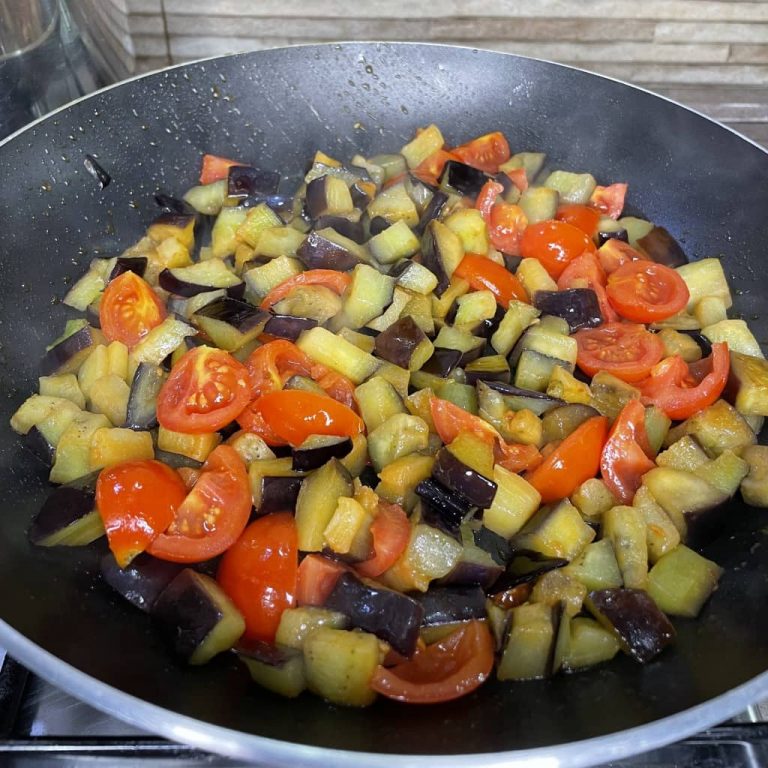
(230, 323)
(475, 566)
(442, 362)
(447, 508)
(142, 580)
(377, 225)
(278, 669)
(439, 254)
(142, 401)
(278, 494)
(70, 352)
(391, 616)
(171, 204)
(488, 368)
(316, 450)
(246, 181)
(432, 211)
(488, 327)
(462, 178)
(457, 476)
(135, 264)
(619, 234)
(526, 566)
(496, 546)
(445, 605)
(352, 229)
(558, 423)
(318, 252)
(288, 326)
(37, 443)
(659, 245)
(577, 306)
(404, 344)
(173, 282)
(632, 615)
(65, 517)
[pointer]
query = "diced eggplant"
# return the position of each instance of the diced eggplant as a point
(328, 195)
(442, 362)
(377, 225)
(389, 615)
(498, 547)
(142, 401)
(354, 230)
(475, 566)
(288, 326)
(589, 644)
(558, 423)
(398, 436)
(518, 399)
(748, 384)
(201, 277)
(619, 234)
(445, 605)
(717, 428)
(180, 226)
(135, 264)
(67, 355)
(230, 323)
(196, 617)
(40, 446)
(573, 187)
(526, 566)
(560, 590)
(67, 518)
(754, 487)
(172, 204)
(348, 533)
(142, 580)
(400, 478)
(177, 460)
(530, 645)
(596, 566)
(317, 502)
(316, 450)
(378, 401)
(278, 494)
(444, 508)
(296, 624)
(404, 344)
(441, 253)
(452, 473)
(592, 498)
(462, 178)
(556, 532)
(632, 615)
(246, 181)
(610, 395)
(488, 368)
(318, 251)
(433, 210)
(660, 246)
(578, 306)
(280, 670)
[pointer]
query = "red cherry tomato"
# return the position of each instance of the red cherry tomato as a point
(328, 278)
(681, 390)
(316, 579)
(213, 514)
(574, 460)
(215, 168)
(554, 244)
(129, 309)
(614, 253)
(586, 272)
(430, 170)
(518, 177)
(391, 533)
(259, 573)
(137, 501)
(609, 200)
(443, 671)
(580, 216)
(626, 456)
(207, 389)
(483, 274)
(486, 152)
(506, 222)
(646, 292)
(627, 351)
(273, 363)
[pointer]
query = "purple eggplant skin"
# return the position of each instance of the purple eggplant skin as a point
(447, 507)
(352, 229)
(317, 252)
(265, 652)
(239, 314)
(36, 442)
(171, 204)
(391, 616)
(619, 234)
(246, 181)
(579, 307)
(142, 401)
(176, 460)
(433, 210)
(288, 326)
(316, 198)
(526, 566)
(360, 198)
(135, 264)
(57, 357)
(64, 506)
(444, 605)
(702, 341)
(173, 219)
(308, 457)
(398, 342)
(457, 476)
(173, 284)
(538, 402)
(279, 494)
(377, 225)
(442, 362)
(632, 615)
(432, 259)
(142, 580)
(496, 546)
(660, 246)
(473, 571)
(463, 178)
(559, 422)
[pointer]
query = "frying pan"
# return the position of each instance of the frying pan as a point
(706, 184)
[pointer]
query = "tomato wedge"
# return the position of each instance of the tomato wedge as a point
(259, 572)
(627, 351)
(316, 579)
(213, 514)
(609, 200)
(391, 533)
(486, 152)
(431, 169)
(336, 281)
(215, 168)
(506, 222)
(626, 456)
(554, 244)
(293, 415)
(582, 217)
(586, 272)
(482, 273)
(206, 390)
(273, 363)
(129, 309)
(681, 390)
(615, 253)
(574, 460)
(137, 501)
(646, 292)
(443, 671)
(518, 177)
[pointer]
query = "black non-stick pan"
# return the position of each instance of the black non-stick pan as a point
(707, 185)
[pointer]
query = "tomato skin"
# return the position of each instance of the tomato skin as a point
(580, 216)
(273, 363)
(391, 534)
(586, 272)
(626, 456)
(206, 390)
(554, 244)
(316, 579)
(129, 309)
(624, 350)
(518, 177)
(137, 501)
(293, 415)
(485, 152)
(681, 390)
(574, 460)
(446, 670)
(615, 253)
(482, 273)
(506, 222)
(328, 278)
(646, 292)
(431, 169)
(487, 198)
(213, 514)
(609, 200)
(259, 572)
(215, 168)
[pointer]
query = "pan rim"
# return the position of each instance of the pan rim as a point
(239, 744)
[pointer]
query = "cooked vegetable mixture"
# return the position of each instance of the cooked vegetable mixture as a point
(438, 412)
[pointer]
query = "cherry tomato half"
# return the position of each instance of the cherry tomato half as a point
(646, 292)
(129, 309)
(137, 501)
(582, 217)
(443, 671)
(484, 274)
(505, 221)
(554, 244)
(609, 200)
(215, 168)
(207, 389)
(486, 152)
(337, 281)
(213, 514)
(259, 573)
(627, 351)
